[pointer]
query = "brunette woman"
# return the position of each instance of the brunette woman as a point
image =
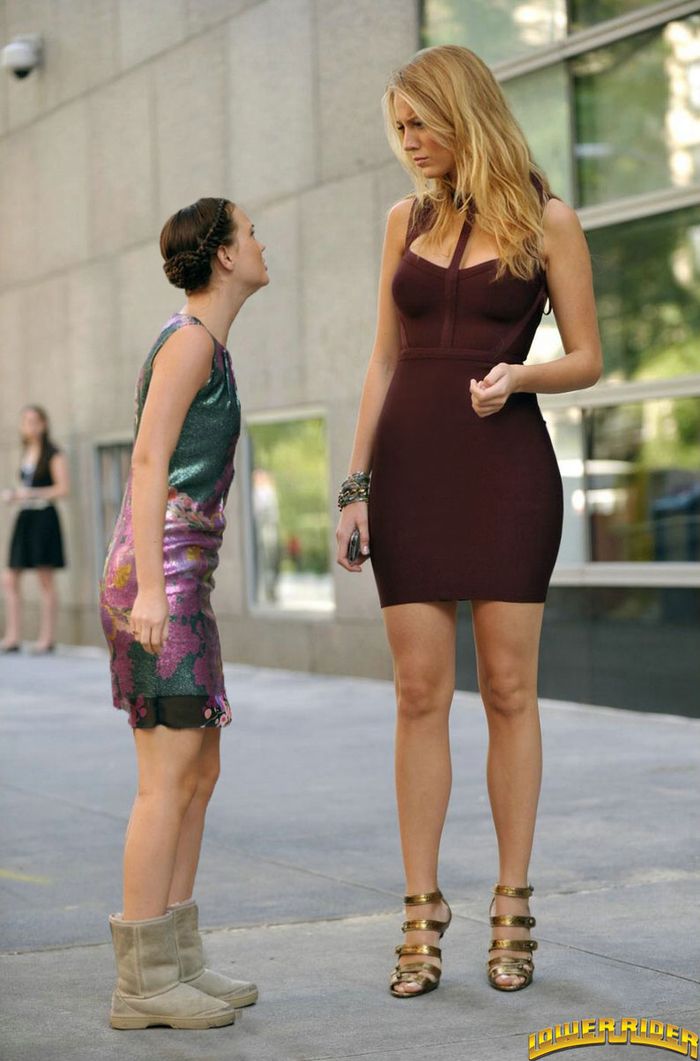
(156, 612)
(36, 543)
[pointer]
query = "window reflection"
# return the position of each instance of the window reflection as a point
(113, 464)
(643, 481)
(647, 283)
(545, 94)
(290, 518)
(565, 429)
(495, 31)
(584, 13)
(637, 113)
(631, 479)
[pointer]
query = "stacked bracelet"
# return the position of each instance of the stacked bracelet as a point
(355, 488)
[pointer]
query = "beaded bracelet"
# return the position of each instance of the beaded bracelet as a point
(354, 488)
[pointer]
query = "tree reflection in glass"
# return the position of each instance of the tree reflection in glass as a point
(290, 514)
(643, 481)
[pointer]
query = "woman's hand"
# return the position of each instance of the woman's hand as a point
(492, 392)
(354, 515)
(149, 619)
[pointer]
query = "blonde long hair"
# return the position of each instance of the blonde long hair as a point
(455, 95)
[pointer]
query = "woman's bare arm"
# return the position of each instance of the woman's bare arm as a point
(182, 366)
(382, 364)
(570, 284)
(385, 350)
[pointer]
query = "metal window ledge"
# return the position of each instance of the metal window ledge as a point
(685, 575)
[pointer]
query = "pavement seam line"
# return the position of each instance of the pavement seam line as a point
(63, 799)
(357, 917)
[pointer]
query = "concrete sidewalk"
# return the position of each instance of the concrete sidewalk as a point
(300, 882)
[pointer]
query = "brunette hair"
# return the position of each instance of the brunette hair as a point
(46, 444)
(455, 95)
(190, 238)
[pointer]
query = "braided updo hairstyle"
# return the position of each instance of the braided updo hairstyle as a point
(190, 238)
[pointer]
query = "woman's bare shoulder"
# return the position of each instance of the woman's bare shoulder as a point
(558, 218)
(398, 220)
(401, 210)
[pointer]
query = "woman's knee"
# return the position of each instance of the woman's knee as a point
(422, 697)
(47, 583)
(507, 694)
(10, 580)
(175, 788)
(206, 782)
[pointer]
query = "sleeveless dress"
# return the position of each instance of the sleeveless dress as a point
(182, 686)
(36, 539)
(462, 507)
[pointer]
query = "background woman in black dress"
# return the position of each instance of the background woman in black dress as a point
(465, 501)
(36, 542)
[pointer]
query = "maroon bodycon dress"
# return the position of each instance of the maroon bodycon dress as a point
(462, 507)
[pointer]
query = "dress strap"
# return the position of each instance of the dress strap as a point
(452, 284)
(416, 223)
(461, 244)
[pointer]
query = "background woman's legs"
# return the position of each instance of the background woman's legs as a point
(506, 637)
(49, 602)
(13, 607)
(422, 642)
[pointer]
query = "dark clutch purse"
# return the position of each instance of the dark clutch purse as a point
(354, 546)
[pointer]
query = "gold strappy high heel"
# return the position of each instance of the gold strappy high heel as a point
(511, 966)
(425, 974)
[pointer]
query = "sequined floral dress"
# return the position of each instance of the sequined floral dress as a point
(182, 686)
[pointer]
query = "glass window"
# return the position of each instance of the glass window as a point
(584, 13)
(592, 634)
(565, 429)
(637, 113)
(647, 282)
(494, 29)
(643, 481)
(540, 103)
(290, 514)
(113, 463)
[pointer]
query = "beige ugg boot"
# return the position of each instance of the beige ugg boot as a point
(190, 952)
(148, 987)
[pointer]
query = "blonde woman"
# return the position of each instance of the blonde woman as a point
(465, 501)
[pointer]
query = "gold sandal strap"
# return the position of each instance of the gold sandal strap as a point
(423, 926)
(513, 944)
(503, 963)
(418, 974)
(413, 967)
(424, 897)
(508, 970)
(516, 893)
(418, 948)
(513, 919)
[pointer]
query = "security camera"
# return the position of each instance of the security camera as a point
(23, 54)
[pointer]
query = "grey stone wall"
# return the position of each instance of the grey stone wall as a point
(139, 109)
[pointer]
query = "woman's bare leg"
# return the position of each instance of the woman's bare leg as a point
(168, 778)
(13, 607)
(49, 604)
(507, 637)
(422, 642)
(192, 828)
